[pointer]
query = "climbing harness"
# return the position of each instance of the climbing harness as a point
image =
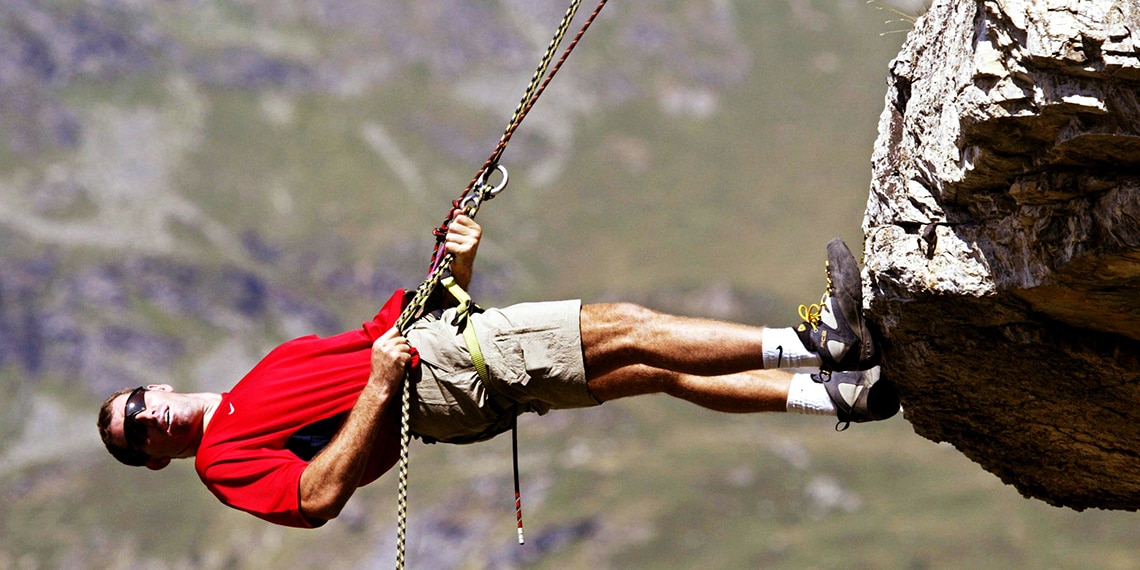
(469, 202)
(462, 320)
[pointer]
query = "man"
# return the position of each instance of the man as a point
(317, 418)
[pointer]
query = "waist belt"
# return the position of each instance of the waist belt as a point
(462, 320)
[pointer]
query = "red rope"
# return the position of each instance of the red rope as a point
(493, 160)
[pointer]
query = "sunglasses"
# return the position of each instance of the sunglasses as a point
(133, 431)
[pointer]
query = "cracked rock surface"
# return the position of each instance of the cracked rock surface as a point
(1003, 241)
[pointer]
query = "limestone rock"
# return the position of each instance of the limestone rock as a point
(1003, 241)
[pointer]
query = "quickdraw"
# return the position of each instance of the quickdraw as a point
(469, 202)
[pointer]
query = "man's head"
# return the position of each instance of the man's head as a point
(150, 425)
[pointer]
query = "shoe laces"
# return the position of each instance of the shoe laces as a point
(811, 314)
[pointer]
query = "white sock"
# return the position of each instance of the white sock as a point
(805, 396)
(784, 349)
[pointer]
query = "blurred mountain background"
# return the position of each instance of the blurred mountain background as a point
(185, 184)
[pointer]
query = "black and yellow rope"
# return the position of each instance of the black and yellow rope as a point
(469, 201)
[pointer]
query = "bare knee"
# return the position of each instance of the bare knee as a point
(610, 334)
(621, 311)
(615, 321)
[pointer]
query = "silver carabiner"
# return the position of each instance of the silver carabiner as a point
(492, 192)
(470, 204)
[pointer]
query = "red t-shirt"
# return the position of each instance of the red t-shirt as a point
(243, 458)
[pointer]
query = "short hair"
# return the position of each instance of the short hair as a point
(125, 455)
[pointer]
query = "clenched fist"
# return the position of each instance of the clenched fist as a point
(391, 354)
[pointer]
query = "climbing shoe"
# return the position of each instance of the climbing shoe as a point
(835, 329)
(860, 396)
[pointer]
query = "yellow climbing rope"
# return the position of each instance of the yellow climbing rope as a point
(469, 201)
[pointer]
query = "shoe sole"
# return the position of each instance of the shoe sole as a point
(869, 398)
(844, 269)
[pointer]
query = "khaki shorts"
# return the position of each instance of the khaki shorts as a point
(533, 353)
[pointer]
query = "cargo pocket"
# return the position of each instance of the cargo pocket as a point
(525, 367)
(449, 398)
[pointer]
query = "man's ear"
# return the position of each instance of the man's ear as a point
(157, 463)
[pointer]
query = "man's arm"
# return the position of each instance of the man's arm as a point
(462, 241)
(334, 474)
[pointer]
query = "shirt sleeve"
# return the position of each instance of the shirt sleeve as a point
(266, 484)
(387, 316)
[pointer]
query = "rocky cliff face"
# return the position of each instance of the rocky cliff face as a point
(1003, 241)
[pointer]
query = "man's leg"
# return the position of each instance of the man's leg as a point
(630, 350)
(619, 335)
(857, 396)
(744, 392)
(834, 335)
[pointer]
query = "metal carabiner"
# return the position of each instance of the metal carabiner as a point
(470, 204)
(492, 192)
(483, 191)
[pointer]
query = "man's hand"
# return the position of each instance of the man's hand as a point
(462, 241)
(390, 356)
(332, 476)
